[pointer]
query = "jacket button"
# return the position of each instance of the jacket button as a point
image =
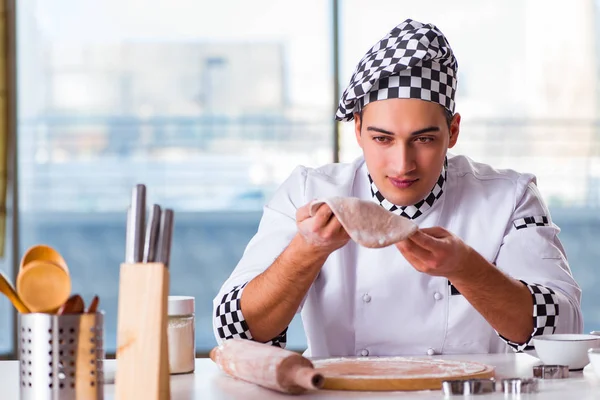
(437, 296)
(366, 298)
(364, 352)
(430, 352)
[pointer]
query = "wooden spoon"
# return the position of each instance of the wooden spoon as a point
(43, 286)
(45, 253)
(7, 288)
(93, 305)
(73, 305)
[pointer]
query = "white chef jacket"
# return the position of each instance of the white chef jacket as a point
(373, 302)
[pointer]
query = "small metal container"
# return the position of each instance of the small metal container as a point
(468, 387)
(519, 385)
(61, 356)
(551, 371)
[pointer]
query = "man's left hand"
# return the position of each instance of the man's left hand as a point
(437, 252)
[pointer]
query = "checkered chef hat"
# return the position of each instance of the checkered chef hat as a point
(413, 61)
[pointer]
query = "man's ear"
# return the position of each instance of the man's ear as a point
(454, 130)
(357, 128)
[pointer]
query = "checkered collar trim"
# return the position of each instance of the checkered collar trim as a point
(419, 208)
(413, 61)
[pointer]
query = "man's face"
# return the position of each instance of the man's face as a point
(404, 142)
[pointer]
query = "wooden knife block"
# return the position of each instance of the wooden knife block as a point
(142, 347)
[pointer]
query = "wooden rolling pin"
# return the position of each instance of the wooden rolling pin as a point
(268, 366)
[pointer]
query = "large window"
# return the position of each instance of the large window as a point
(212, 104)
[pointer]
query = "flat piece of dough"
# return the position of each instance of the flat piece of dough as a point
(396, 373)
(367, 223)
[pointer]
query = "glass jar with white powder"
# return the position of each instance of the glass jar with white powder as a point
(181, 335)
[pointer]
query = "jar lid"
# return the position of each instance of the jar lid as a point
(180, 305)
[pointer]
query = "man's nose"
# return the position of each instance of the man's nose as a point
(402, 160)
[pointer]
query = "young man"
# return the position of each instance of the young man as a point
(484, 273)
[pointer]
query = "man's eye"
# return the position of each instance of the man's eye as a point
(381, 139)
(424, 139)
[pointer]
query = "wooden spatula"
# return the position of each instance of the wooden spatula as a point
(86, 373)
(73, 305)
(9, 291)
(93, 307)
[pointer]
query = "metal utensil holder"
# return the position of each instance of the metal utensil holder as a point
(61, 356)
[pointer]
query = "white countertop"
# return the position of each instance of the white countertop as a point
(209, 383)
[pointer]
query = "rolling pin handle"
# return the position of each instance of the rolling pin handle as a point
(307, 377)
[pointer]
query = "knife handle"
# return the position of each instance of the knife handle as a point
(138, 216)
(165, 235)
(150, 243)
(129, 238)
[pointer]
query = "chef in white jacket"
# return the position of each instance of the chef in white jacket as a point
(484, 273)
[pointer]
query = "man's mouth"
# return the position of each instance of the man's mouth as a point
(402, 183)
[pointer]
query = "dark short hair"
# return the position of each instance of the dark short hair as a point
(449, 116)
(447, 113)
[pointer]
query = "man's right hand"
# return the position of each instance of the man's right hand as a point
(322, 232)
(270, 301)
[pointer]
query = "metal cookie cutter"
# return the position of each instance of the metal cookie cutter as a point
(519, 385)
(468, 386)
(551, 371)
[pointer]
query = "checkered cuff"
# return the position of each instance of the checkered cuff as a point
(231, 323)
(529, 222)
(545, 315)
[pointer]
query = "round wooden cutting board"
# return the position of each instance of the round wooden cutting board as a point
(396, 373)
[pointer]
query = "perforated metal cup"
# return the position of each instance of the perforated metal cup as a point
(61, 356)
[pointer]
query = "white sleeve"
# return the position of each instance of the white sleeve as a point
(532, 253)
(276, 229)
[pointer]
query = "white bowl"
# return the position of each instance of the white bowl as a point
(594, 356)
(565, 349)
